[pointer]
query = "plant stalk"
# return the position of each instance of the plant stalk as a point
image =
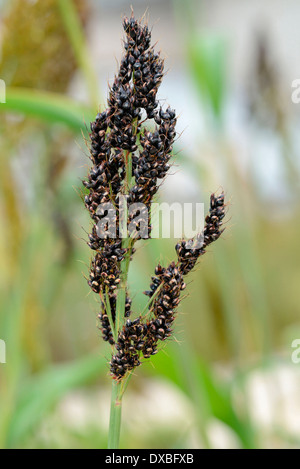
(115, 416)
(118, 388)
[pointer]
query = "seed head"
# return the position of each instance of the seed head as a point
(118, 135)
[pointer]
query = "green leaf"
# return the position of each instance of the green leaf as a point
(48, 106)
(206, 55)
(43, 391)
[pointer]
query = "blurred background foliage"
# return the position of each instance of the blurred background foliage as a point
(227, 379)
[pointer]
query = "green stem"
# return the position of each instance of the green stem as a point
(127, 244)
(115, 416)
(78, 42)
(108, 310)
(147, 310)
(118, 388)
(128, 164)
(121, 295)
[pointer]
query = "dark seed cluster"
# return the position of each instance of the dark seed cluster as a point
(143, 63)
(113, 138)
(140, 337)
(187, 255)
(165, 290)
(152, 163)
(130, 342)
(113, 135)
(130, 160)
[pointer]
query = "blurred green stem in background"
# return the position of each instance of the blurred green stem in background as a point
(11, 328)
(78, 42)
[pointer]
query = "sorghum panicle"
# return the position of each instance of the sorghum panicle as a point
(117, 135)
